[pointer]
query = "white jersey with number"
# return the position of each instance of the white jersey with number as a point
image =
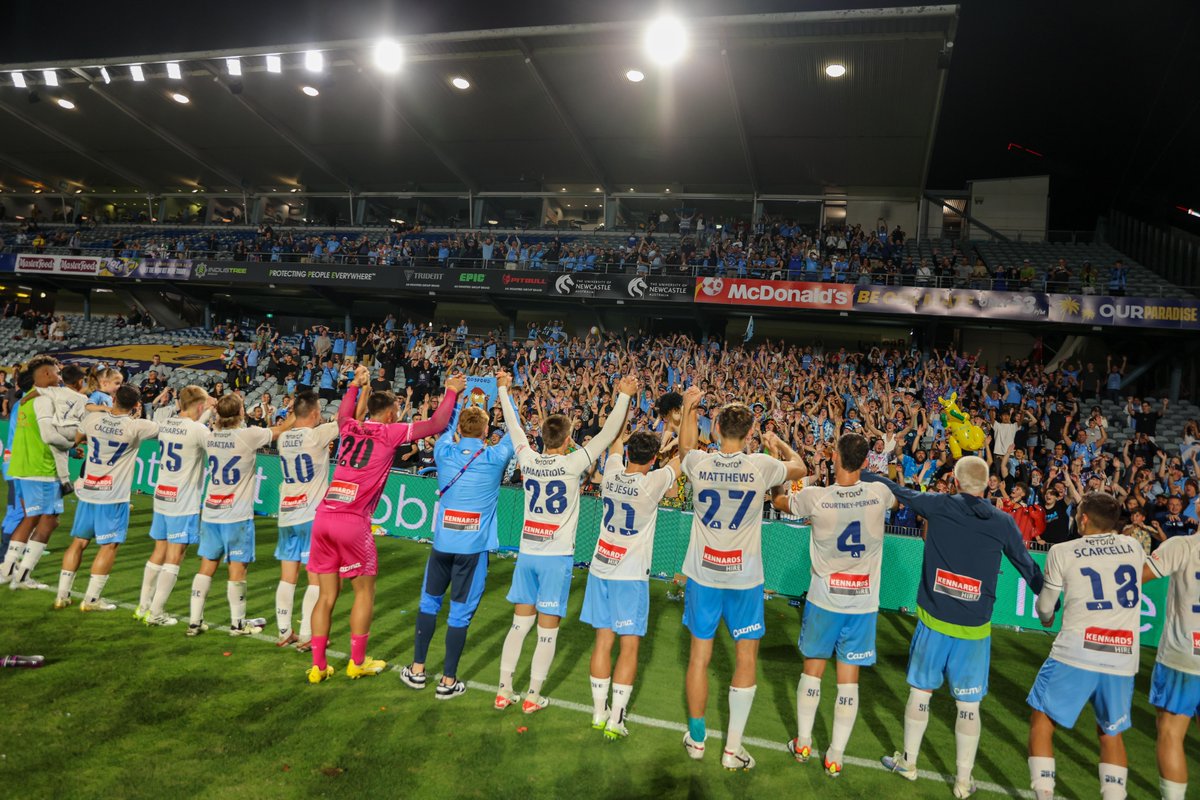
(304, 460)
(1101, 576)
(552, 482)
(846, 543)
(232, 467)
(725, 549)
(1178, 558)
(182, 460)
(112, 450)
(630, 516)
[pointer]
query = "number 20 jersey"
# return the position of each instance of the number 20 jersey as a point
(725, 549)
(181, 463)
(846, 545)
(304, 460)
(232, 472)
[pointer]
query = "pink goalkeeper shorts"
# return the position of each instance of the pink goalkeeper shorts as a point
(342, 544)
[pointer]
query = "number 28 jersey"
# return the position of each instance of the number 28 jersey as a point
(1101, 576)
(626, 540)
(232, 472)
(725, 550)
(846, 544)
(304, 460)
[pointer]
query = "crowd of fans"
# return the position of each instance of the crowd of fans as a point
(1047, 438)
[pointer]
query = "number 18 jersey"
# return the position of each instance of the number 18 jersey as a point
(304, 460)
(232, 471)
(846, 544)
(1101, 576)
(725, 549)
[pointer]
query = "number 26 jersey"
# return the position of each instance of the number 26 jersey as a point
(232, 473)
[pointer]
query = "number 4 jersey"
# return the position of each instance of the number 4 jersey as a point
(1179, 559)
(1101, 576)
(112, 444)
(231, 473)
(725, 549)
(630, 514)
(846, 547)
(304, 460)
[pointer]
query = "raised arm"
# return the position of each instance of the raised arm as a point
(347, 410)
(689, 432)
(511, 420)
(920, 502)
(794, 464)
(441, 417)
(616, 420)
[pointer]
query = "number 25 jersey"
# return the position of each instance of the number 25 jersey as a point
(232, 472)
(725, 549)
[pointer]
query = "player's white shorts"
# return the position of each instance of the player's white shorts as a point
(621, 606)
(184, 529)
(107, 522)
(1175, 692)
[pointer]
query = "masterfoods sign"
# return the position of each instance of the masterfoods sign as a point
(781, 294)
(59, 265)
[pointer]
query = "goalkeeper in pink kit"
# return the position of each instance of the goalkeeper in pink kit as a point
(342, 544)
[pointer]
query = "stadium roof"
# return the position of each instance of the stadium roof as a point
(750, 110)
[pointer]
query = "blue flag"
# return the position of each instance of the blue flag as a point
(749, 329)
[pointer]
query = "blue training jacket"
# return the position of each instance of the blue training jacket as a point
(963, 544)
(465, 520)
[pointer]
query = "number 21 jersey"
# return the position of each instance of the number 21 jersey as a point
(232, 472)
(725, 549)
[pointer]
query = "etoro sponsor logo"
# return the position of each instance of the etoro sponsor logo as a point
(1108, 640)
(845, 583)
(722, 560)
(960, 586)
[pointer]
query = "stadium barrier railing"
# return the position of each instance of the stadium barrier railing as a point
(409, 504)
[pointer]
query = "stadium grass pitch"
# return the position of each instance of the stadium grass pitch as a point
(125, 711)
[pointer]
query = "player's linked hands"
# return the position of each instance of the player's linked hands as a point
(628, 385)
(456, 384)
(691, 398)
(503, 380)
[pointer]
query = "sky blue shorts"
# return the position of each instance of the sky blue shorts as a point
(620, 606)
(1061, 691)
(40, 497)
(183, 529)
(934, 657)
(233, 541)
(850, 636)
(106, 522)
(294, 542)
(542, 581)
(1175, 692)
(742, 609)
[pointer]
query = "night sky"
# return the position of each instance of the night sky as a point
(1107, 91)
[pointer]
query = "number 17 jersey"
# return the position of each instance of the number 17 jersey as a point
(725, 549)
(846, 544)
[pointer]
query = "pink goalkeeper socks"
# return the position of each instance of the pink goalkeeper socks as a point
(358, 648)
(319, 643)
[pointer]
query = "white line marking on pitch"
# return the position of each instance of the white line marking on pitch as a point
(652, 722)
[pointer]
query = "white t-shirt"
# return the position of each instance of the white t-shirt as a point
(70, 406)
(725, 549)
(846, 546)
(1179, 559)
(112, 450)
(626, 540)
(231, 473)
(304, 459)
(1101, 576)
(1004, 434)
(552, 482)
(182, 460)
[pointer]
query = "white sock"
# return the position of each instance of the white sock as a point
(599, 695)
(200, 587)
(29, 562)
(740, 700)
(808, 700)
(149, 582)
(543, 654)
(12, 557)
(620, 700)
(95, 587)
(162, 589)
(1041, 774)
(236, 592)
(311, 593)
(285, 597)
(1112, 781)
(845, 711)
(966, 738)
(511, 653)
(916, 720)
(66, 580)
(1170, 790)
